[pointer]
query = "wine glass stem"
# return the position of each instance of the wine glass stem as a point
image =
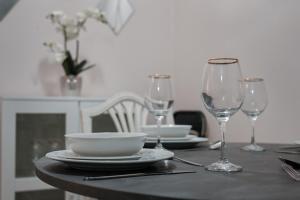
(222, 125)
(253, 132)
(158, 122)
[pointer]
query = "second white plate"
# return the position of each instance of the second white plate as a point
(178, 144)
(177, 139)
(69, 154)
(148, 157)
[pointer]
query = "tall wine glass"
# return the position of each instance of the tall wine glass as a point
(222, 95)
(254, 104)
(159, 100)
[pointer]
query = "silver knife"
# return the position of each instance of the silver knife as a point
(290, 147)
(290, 162)
(93, 178)
(287, 151)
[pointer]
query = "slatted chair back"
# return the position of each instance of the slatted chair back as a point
(126, 109)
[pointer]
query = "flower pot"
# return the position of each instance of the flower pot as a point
(71, 85)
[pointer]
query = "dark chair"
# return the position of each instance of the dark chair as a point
(196, 118)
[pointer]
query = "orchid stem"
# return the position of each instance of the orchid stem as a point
(77, 51)
(65, 38)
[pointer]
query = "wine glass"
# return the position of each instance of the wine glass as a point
(222, 94)
(159, 100)
(254, 104)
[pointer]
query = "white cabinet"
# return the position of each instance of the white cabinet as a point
(30, 127)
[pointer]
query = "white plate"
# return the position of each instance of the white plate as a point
(178, 144)
(148, 157)
(297, 142)
(182, 139)
(69, 154)
(167, 130)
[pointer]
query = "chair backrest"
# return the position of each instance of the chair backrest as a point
(126, 109)
(196, 118)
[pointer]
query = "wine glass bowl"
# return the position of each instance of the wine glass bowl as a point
(254, 104)
(159, 100)
(222, 95)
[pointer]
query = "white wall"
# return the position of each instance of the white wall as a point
(169, 36)
(264, 35)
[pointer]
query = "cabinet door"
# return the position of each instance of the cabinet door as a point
(29, 130)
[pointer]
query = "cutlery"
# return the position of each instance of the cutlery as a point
(287, 151)
(93, 178)
(290, 162)
(187, 161)
(291, 171)
(290, 147)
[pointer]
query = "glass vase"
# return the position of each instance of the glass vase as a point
(71, 85)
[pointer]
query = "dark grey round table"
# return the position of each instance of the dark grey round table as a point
(261, 178)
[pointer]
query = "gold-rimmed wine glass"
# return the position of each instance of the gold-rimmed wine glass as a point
(222, 95)
(255, 102)
(159, 99)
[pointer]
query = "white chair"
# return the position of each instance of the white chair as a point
(126, 109)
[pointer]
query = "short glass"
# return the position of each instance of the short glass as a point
(159, 100)
(254, 104)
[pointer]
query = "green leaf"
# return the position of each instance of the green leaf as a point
(72, 68)
(77, 51)
(80, 65)
(68, 64)
(88, 67)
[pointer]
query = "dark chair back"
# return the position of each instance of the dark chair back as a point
(196, 118)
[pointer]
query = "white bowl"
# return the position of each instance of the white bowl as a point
(167, 130)
(106, 144)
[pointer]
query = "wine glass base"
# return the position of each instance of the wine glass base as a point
(253, 147)
(159, 146)
(223, 166)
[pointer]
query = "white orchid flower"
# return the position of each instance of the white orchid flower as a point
(70, 27)
(59, 57)
(81, 18)
(68, 21)
(72, 32)
(54, 46)
(92, 12)
(57, 49)
(56, 16)
(95, 13)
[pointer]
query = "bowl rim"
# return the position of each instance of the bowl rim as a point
(105, 135)
(184, 126)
